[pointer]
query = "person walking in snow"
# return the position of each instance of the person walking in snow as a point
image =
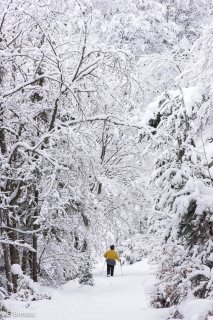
(111, 257)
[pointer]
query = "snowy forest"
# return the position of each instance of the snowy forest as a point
(106, 137)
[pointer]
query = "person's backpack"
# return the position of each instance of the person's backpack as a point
(111, 262)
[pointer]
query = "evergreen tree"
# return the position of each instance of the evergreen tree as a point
(85, 270)
(184, 196)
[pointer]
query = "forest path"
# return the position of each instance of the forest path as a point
(119, 298)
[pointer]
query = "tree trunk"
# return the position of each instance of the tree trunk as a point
(2, 133)
(35, 244)
(34, 260)
(14, 256)
(7, 266)
(24, 261)
(30, 260)
(6, 250)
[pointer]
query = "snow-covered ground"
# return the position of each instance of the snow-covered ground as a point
(122, 297)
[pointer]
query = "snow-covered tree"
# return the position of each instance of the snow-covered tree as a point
(184, 185)
(76, 154)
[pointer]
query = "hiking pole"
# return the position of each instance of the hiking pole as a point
(121, 269)
(103, 268)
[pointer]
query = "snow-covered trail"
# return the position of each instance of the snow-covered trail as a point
(119, 297)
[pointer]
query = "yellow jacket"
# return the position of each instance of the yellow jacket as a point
(112, 254)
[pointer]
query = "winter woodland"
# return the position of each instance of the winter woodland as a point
(106, 136)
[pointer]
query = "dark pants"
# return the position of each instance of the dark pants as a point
(110, 269)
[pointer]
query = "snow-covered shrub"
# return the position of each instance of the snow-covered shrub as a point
(194, 230)
(186, 264)
(193, 309)
(27, 289)
(186, 268)
(209, 315)
(174, 266)
(3, 295)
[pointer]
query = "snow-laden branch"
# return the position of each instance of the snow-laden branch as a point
(88, 69)
(9, 130)
(112, 119)
(22, 231)
(17, 243)
(22, 85)
(27, 147)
